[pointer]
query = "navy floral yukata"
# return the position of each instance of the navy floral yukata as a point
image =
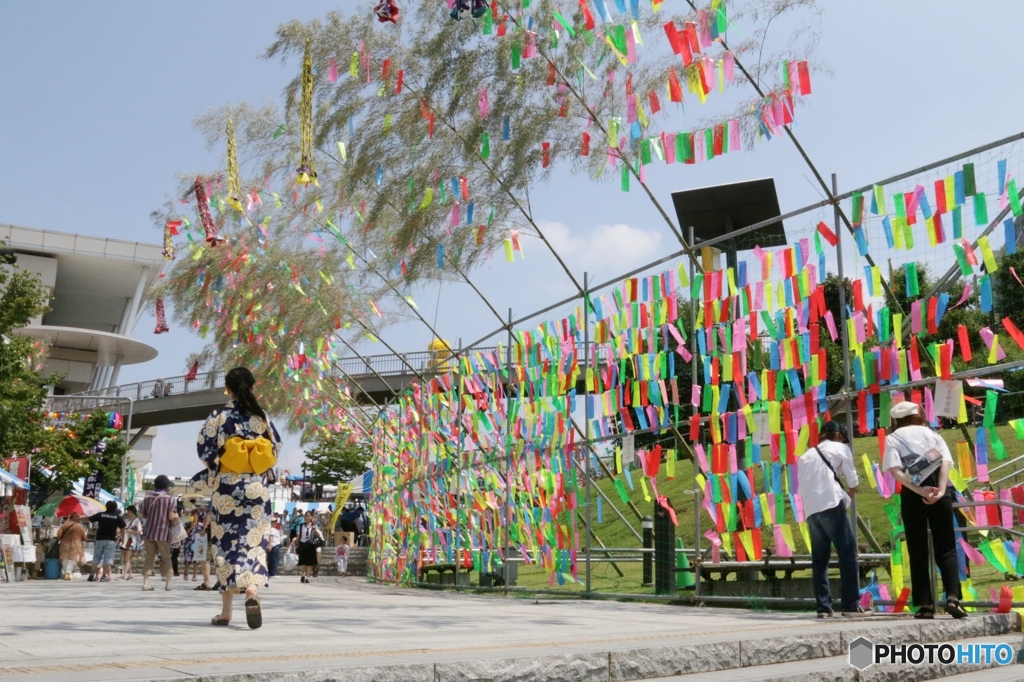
(240, 518)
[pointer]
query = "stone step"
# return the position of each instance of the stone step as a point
(838, 669)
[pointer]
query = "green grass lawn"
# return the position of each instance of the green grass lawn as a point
(613, 532)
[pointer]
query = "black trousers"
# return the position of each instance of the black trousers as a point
(175, 552)
(918, 517)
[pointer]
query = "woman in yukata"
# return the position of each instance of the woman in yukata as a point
(238, 445)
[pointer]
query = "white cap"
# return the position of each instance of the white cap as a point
(904, 409)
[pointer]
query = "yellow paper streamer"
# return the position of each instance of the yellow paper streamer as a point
(868, 471)
(986, 254)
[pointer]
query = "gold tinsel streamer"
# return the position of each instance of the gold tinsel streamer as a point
(306, 174)
(168, 251)
(234, 186)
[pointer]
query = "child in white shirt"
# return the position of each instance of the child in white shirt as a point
(342, 557)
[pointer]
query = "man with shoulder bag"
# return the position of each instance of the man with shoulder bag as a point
(825, 502)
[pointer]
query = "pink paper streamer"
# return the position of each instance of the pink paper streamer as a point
(702, 459)
(716, 543)
(485, 103)
(782, 547)
(729, 72)
(967, 294)
(976, 557)
(332, 70)
(1006, 513)
(886, 596)
(831, 324)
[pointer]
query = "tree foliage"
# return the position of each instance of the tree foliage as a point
(426, 146)
(336, 459)
(22, 384)
(80, 445)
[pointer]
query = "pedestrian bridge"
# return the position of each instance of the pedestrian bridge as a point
(371, 380)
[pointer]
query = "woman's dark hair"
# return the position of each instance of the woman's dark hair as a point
(240, 382)
(132, 509)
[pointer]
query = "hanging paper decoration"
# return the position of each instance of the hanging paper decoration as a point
(204, 213)
(463, 9)
(161, 318)
(234, 197)
(386, 11)
(306, 173)
(170, 231)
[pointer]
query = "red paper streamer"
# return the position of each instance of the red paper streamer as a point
(585, 148)
(965, 342)
(161, 318)
(901, 601)
(204, 213)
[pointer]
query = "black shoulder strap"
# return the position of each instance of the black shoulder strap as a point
(829, 465)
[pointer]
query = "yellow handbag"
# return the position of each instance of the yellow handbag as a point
(242, 456)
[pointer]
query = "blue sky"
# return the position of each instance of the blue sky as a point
(98, 100)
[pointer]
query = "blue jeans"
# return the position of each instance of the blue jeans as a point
(827, 529)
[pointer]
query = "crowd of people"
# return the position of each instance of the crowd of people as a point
(189, 558)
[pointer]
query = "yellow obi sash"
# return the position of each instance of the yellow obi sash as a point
(243, 456)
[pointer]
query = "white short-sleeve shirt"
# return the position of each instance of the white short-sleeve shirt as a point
(912, 439)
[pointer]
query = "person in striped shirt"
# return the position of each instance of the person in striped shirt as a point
(159, 511)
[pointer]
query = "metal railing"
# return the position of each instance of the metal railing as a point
(398, 365)
(422, 361)
(384, 365)
(159, 388)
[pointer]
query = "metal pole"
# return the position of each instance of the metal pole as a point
(124, 460)
(695, 410)
(506, 563)
(648, 572)
(458, 468)
(844, 333)
(586, 418)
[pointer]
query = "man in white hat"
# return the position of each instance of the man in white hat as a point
(825, 502)
(920, 460)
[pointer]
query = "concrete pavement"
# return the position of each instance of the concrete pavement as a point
(347, 629)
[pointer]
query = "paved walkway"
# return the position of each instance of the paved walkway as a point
(52, 630)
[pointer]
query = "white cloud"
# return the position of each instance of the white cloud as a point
(605, 246)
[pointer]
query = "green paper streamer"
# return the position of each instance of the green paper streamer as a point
(969, 187)
(913, 287)
(858, 208)
(1014, 198)
(625, 178)
(991, 398)
(485, 146)
(980, 209)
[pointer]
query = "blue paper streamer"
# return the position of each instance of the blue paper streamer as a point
(985, 284)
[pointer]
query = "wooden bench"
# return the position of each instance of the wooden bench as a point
(444, 573)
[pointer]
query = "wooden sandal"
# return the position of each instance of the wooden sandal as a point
(253, 613)
(220, 622)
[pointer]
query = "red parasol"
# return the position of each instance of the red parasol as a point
(78, 504)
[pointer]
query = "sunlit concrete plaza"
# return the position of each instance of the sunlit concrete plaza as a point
(346, 629)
